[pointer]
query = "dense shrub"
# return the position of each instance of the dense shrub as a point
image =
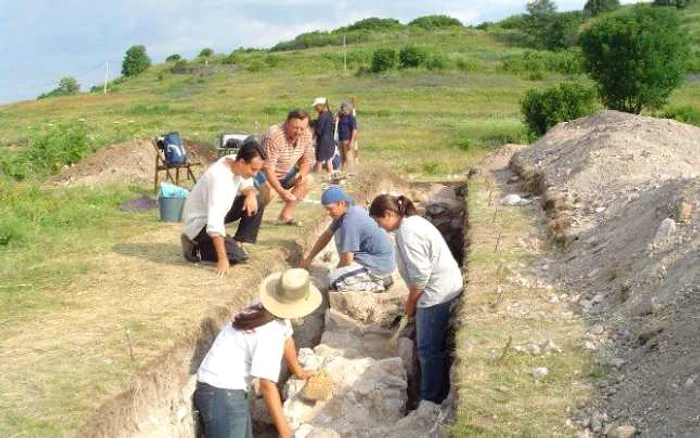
(206, 52)
(174, 57)
(47, 151)
(373, 24)
(637, 57)
(432, 22)
(136, 61)
(384, 59)
(412, 56)
(543, 109)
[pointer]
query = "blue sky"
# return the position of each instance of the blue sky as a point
(44, 40)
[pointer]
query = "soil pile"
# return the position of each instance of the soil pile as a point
(131, 162)
(622, 193)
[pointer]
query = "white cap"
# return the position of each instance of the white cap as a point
(319, 101)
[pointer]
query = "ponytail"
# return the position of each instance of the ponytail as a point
(400, 205)
(406, 207)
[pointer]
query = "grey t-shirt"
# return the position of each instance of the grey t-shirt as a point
(358, 233)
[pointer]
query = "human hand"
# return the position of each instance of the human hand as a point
(288, 196)
(305, 374)
(305, 263)
(222, 267)
(250, 205)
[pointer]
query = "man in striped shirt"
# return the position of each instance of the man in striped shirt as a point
(290, 154)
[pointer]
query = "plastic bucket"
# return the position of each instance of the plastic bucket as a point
(171, 209)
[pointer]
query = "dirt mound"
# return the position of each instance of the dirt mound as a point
(623, 194)
(131, 162)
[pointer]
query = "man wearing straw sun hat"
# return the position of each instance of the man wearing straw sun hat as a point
(253, 346)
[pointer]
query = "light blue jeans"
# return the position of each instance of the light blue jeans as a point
(431, 333)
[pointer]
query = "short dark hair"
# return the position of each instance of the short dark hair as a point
(249, 150)
(297, 114)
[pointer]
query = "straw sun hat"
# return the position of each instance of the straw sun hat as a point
(289, 294)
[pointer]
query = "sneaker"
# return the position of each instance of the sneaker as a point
(189, 249)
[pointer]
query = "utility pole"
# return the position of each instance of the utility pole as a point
(345, 55)
(106, 76)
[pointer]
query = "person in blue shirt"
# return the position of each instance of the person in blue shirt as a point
(347, 135)
(365, 250)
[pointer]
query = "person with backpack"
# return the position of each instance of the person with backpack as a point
(323, 135)
(434, 280)
(224, 194)
(252, 346)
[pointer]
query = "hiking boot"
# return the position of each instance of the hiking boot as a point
(189, 249)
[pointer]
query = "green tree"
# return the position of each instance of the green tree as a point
(206, 52)
(538, 8)
(637, 57)
(173, 57)
(68, 85)
(595, 7)
(136, 61)
(546, 29)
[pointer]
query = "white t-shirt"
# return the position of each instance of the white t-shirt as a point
(212, 198)
(425, 261)
(238, 356)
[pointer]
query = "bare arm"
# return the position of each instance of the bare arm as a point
(222, 263)
(321, 243)
(274, 406)
(292, 361)
(412, 301)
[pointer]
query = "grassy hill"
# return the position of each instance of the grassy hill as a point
(424, 123)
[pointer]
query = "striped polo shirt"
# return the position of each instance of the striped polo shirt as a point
(282, 155)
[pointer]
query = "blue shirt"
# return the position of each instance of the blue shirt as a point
(346, 124)
(359, 234)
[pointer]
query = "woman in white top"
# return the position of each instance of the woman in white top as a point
(434, 281)
(252, 346)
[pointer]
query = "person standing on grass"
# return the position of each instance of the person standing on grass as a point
(252, 346)
(434, 281)
(290, 154)
(347, 134)
(366, 257)
(323, 135)
(224, 194)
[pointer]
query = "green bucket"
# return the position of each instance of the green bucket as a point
(171, 209)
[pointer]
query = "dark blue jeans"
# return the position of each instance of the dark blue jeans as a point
(431, 333)
(224, 412)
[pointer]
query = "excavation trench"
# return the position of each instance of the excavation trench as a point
(375, 382)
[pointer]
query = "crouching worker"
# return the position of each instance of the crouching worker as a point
(434, 281)
(224, 194)
(366, 256)
(252, 346)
